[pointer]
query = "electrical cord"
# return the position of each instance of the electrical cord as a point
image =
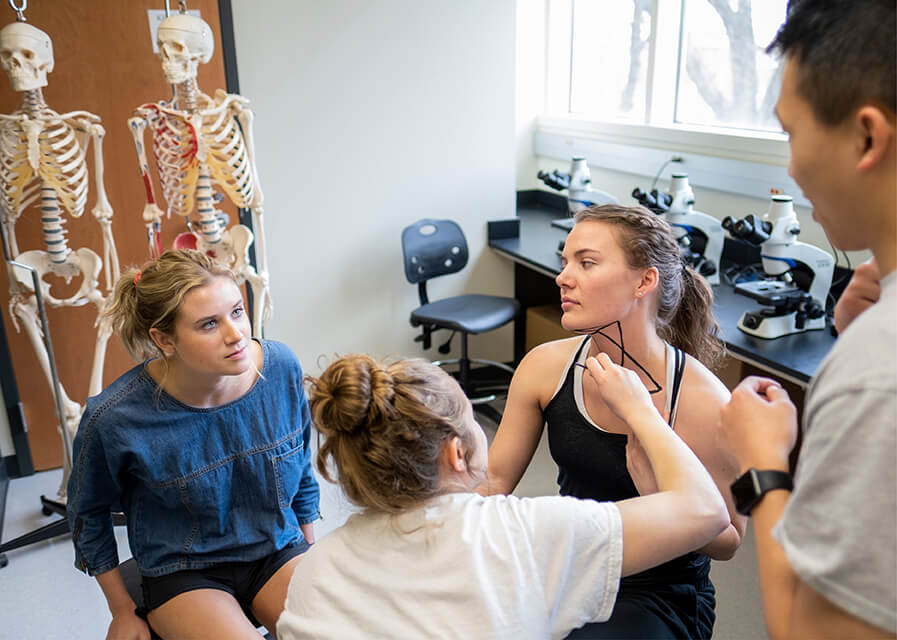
(846, 259)
(662, 167)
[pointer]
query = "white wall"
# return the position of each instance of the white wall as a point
(370, 115)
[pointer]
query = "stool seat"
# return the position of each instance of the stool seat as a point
(471, 313)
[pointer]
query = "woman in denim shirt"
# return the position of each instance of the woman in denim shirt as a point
(205, 447)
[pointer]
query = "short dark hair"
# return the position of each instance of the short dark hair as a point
(846, 52)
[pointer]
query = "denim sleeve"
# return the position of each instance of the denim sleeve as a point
(92, 490)
(307, 499)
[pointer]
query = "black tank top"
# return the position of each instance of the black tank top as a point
(592, 462)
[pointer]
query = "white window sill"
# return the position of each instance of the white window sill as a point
(731, 162)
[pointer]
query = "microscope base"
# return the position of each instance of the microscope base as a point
(772, 327)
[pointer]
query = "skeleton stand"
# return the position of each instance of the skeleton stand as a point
(48, 506)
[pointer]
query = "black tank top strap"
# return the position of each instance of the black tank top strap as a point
(678, 372)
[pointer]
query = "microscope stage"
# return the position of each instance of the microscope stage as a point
(774, 293)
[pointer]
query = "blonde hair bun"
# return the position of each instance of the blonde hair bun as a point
(353, 392)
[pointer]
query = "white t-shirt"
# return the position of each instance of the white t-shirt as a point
(463, 566)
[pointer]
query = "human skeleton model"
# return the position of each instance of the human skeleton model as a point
(42, 157)
(197, 143)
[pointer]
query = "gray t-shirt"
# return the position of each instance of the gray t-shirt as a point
(839, 529)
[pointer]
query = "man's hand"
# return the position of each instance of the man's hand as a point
(760, 424)
(861, 292)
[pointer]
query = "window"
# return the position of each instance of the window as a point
(629, 83)
(725, 76)
(609, 59)
(667, 63)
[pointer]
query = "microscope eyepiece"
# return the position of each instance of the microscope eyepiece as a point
(664, 200)
(555, 179)
(649, 200)
(749, 229)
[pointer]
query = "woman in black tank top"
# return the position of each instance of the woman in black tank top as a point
(624, 285)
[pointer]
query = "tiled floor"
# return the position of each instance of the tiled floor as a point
(43, 597)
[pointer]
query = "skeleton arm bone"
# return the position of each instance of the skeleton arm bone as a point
(104, 332)
(245, 118)
(102, 211)
(152, 214)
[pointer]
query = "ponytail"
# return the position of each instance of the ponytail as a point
(692, 327)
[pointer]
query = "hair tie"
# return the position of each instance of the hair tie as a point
(137, 277)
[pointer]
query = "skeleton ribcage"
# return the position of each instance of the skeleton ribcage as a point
(175, 147)
(60, 165)
(228, 157)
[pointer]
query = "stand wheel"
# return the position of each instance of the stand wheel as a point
(3, 560)
(47, 511)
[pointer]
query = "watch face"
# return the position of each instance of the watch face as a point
(753, 485)
(744, 491)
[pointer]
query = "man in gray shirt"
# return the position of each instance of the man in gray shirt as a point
(828, 550)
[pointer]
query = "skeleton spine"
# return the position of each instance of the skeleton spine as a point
(186, 95)
(34, 102)
(205, 207)
(54, 234)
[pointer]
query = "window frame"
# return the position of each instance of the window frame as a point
(743, 161)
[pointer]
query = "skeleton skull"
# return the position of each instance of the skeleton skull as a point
(184, 42)
(26, 53)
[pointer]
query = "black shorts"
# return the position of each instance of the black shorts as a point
(243, 580)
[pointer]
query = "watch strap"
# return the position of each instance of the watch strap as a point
(754, 484)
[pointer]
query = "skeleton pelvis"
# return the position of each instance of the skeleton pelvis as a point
(83, 262)
(232, 250)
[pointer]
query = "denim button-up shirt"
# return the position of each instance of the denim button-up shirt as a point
(198, 486)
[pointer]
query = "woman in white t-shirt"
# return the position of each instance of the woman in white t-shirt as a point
(426, 557)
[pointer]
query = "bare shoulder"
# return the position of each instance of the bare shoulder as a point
(541, 368)
(700, 399)
(554, 352)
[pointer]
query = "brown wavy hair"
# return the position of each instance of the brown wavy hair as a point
(385, 425)
(685, 301)
(149, 297)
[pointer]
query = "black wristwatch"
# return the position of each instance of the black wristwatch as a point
(750, 488)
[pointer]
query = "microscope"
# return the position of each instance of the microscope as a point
(794, 295)
(578, 184)
(699, 235)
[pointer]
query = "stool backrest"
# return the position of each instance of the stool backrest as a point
(433, 248)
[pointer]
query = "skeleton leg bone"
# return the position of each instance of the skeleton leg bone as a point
(23, 308)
